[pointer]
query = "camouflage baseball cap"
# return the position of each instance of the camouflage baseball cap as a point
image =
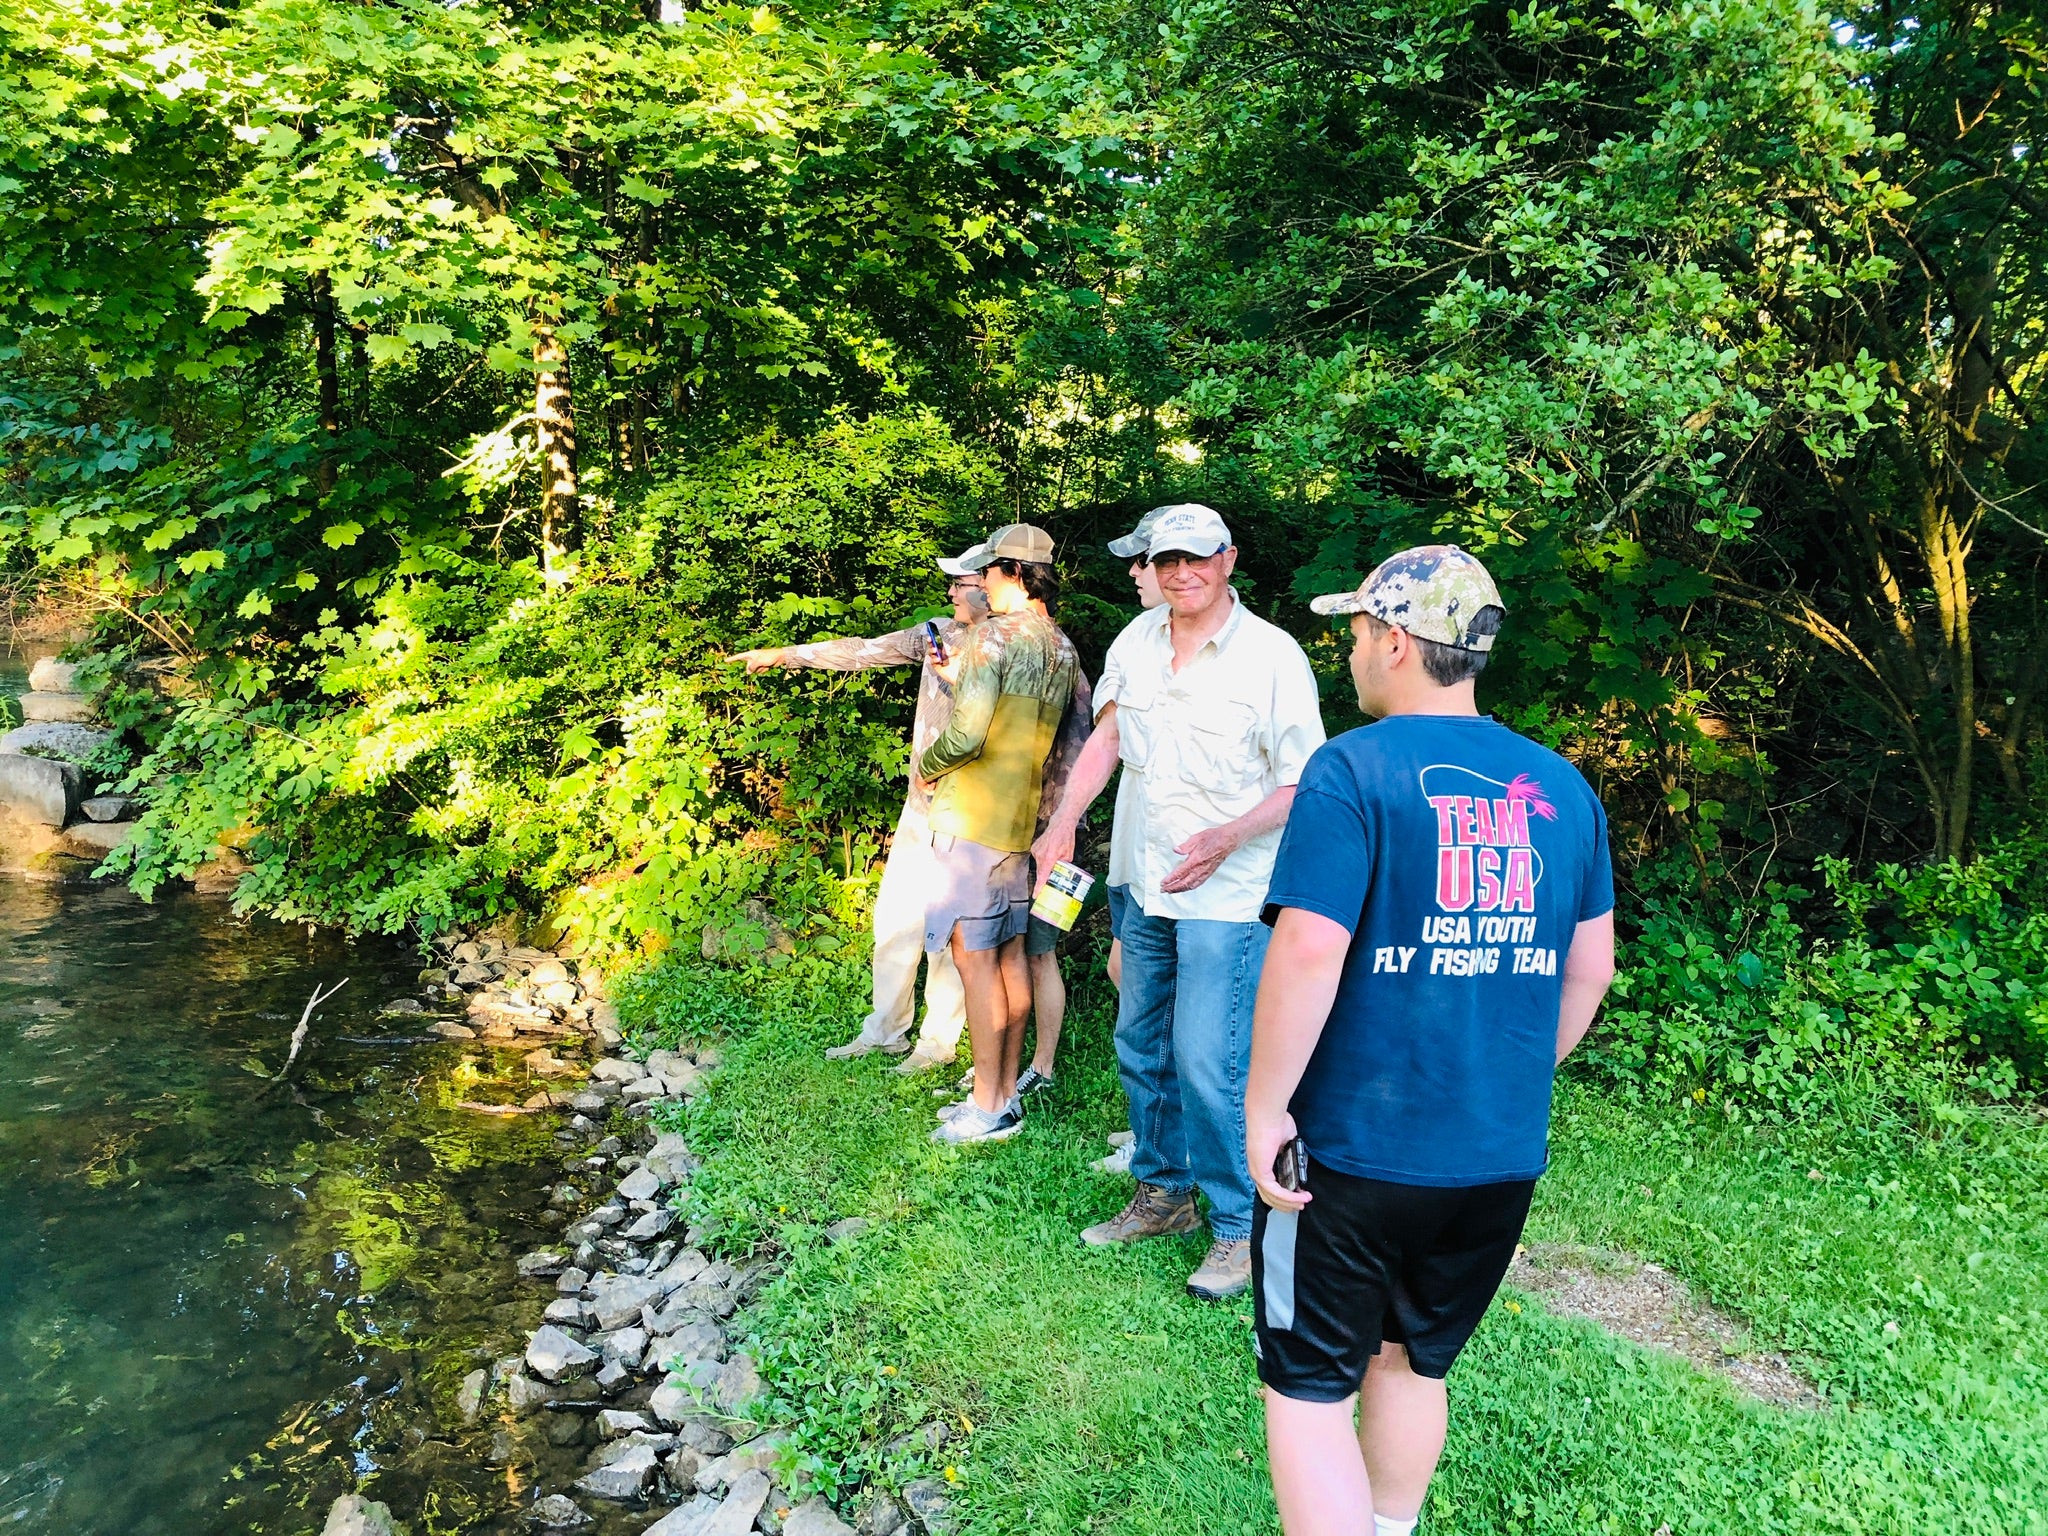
(1433, 591)
(1139, 540)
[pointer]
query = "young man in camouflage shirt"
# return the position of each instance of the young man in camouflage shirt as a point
(1011, 687)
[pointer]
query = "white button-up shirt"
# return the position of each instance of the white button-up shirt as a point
(1201, 747)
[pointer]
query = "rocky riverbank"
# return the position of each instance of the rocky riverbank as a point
(639, 1367)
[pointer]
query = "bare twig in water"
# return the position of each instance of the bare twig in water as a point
(306, 1022)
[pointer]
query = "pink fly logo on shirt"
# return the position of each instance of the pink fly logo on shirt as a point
(1484, 859)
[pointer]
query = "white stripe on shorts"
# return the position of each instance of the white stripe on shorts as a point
(1277, 1253)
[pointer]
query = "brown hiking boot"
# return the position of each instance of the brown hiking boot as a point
(1225, 1272)
(1153, 1212)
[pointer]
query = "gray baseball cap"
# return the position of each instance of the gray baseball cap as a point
(1433, 591)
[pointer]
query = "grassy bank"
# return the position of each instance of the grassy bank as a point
(1899, 1267)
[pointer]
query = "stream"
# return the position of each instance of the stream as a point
(224, 1299)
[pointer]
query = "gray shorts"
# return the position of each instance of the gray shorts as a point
(1041, 938)
(983, 892)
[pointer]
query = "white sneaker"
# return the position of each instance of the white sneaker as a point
(921, 1060)
(974, 1124)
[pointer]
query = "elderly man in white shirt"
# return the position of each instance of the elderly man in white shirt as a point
(1213, 713)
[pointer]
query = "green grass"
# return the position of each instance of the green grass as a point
(1102, 1398)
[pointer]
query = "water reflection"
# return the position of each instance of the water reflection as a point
(221, 1298)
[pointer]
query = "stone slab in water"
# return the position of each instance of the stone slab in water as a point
(112, 808)
(354, 1515)
(54, 738)
(49, 675)
(98, 837)
(40, 788)
(57, 706)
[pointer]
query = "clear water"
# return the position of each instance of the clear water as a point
(223, 1300)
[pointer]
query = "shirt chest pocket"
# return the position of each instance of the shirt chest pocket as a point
(1218, 742)
(1137, 723)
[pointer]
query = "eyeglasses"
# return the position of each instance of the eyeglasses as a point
(961, 583)
(1174, 559)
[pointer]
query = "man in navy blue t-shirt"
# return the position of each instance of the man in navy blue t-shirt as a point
(1443, 931)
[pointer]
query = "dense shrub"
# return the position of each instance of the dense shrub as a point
(1886, 985)
(485, 743)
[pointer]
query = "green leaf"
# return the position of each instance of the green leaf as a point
(341, 535)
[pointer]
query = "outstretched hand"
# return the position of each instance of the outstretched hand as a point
(759, 660)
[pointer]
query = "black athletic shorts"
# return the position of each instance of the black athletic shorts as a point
(1367, 1260)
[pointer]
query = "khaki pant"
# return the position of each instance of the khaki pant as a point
(908, 881)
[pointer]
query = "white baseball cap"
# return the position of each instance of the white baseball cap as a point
(1191, 529)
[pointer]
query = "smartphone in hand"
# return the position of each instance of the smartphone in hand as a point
(938, 646)
(1290, 1168)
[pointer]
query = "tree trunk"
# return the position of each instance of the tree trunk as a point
(554, 416)
(327, 377)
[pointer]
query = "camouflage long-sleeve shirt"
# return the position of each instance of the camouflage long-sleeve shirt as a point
(906, 648)
(901, 648)
(1016, 681)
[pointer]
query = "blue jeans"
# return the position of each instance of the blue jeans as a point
(1184, 1048)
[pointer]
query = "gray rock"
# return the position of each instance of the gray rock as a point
(625, 1478)
(704, 1435)
(604, 1021)
(112, 807)
(846, 1229)
(404, 1005)
(571, 1281)
(558, 994)
(640, 1184)
(714, 1299)
(613, 1376)
(649, 1227)
(474, 974)
(55, 738)
(354, 1515)
(680, 1466)
(618, 1069)
(680, 1082)
(607, 1216)
(673, 1402)
(448, 1029)
(669, 1159)
(615, 1422)
(557, 1512)
(542, 1262)
(546, 971)
(732, 1516)
(73, 707)
(703, 1340)
(554, 1356)
(685, 1521)
(739, 1384)
(814, 1517)
(682, 1269)
(523, 1394)
(929, 1499)
(618, 1300)
(884, 1517)
(642, 1090)
(757, 1455)
(40, 788)
(568, 1311)
(628, 1346)
(469, 1397)
(49, 675)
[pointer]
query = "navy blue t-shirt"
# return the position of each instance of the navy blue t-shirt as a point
(1461, 857)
